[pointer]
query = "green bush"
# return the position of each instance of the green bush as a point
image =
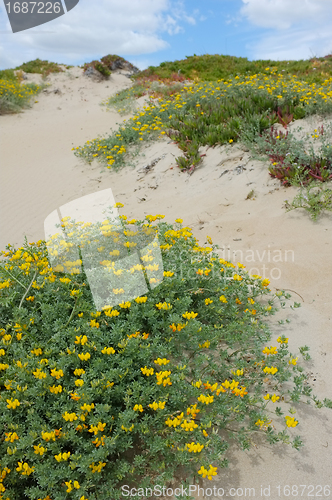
(99, 66)
(94, 400)
(42, 67)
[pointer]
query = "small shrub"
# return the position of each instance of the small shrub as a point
(98, 66)
(41, 67)
(315, 199)
(15, 96)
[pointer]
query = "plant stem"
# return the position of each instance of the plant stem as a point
(13, 277)
(71, 315)
(26, 292)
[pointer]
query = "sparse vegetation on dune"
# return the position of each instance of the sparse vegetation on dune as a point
(38, 66)
(216, 67)
(216, 100)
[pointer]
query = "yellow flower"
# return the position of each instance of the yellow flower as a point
(97, 468)
(223, 299)
(147, 371)
(63, 456)
(259, 422)
(87, 407)
(81, 339)
(271, 370)
(271, 350)
(69, 486)
(13, 404)
(194, 447)
(189, 315)
(205, 399)
(108, 350)
(237, 277)
(141, 300)
(47, 436)
(160, 361)
(168, 274)
(69, 416)
(39, 450)
(11, 436)
(79, 371)
(96, 428)
(163, 305)
(125, 428)
(208, 473)
(84, 357)
(24, 468)
(290, 421)
(37, 352)
(56, 373)
(138, 408)
(55, 389)
(205, 345)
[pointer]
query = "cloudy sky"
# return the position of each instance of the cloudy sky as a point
(147, 32)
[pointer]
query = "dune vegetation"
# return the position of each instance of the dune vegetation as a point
(195, 109)
(156, 388)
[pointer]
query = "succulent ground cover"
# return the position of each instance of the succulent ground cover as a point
(92, 399)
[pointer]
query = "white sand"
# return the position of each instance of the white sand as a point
(39, 173)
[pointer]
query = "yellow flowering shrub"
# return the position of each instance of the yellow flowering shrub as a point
(156, 381)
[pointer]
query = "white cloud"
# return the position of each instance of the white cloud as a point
(282, 14)
(293, 45)
(94, 29)
(299, 29)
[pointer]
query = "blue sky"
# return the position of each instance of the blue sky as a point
(148, 32)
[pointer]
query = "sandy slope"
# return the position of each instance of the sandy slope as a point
(39, 173)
